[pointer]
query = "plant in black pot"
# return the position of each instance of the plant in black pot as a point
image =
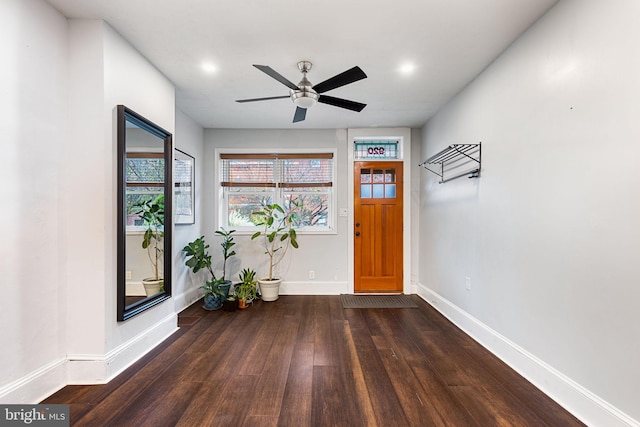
(151, 213)
(277, 235)
(230, 303)
(198, 258)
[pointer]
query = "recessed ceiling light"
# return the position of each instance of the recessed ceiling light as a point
(209, 67)
(407, 68)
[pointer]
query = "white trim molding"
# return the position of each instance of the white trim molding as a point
(37, 385)
(314, 287)
(185, 299)
(81, 369)
(586, 406)
(100, 369)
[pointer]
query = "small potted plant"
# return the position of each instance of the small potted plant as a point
(230, 303)
(198, 258)
(277, 235)
(246, 290)
(151, 213)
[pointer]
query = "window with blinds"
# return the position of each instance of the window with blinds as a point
(249, 181)
(144, 181)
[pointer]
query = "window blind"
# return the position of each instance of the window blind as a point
(289, 170)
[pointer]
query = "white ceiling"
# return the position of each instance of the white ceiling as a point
(448, 41)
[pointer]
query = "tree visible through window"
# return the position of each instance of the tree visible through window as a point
(250, 181)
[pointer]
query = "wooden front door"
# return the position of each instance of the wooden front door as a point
(378, 227)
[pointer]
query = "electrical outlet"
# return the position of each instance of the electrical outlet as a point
(128, 275)
(467, 283)
(312, 274)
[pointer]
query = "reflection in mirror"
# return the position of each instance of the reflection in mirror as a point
(144, 213)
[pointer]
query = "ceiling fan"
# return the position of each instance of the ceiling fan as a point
(305, 95)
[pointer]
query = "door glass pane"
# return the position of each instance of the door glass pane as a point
(365, 175)
(390, 176)
(378, 191)
(365, 191)
(378, 175)
(390, 191)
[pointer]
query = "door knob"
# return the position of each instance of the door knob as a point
(357, 233)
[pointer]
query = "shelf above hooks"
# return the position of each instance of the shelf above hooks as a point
(455, 161)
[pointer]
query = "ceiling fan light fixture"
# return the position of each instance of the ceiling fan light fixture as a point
(304, 99)
(305, 94)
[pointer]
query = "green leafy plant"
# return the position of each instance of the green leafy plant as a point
(151, 213)
(227, 244)
(246, 290)
(198, 258)
(278, 232)
(212, 287)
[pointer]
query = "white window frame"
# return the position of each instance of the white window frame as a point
(222, 196)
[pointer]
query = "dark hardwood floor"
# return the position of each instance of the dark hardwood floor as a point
(306, 361)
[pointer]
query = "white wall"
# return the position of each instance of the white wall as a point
(61, 84)
(324, 254)
(189, 138)
(85, 270)
(100, 347)
(32, 119)
(548, 234)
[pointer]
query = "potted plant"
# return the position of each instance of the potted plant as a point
(198, 258)
(151, 213)
(230, 303)
(227, 244)
(277, 235)
(246, 290)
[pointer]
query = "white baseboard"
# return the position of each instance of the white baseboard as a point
(100, 369)
(85, 368)
(37, 385)
(314, 287)
(187, 298)
(586, 406)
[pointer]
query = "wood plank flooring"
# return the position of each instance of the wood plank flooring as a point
(306, 361)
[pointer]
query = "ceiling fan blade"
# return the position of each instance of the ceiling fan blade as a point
(342, 103)
(344, 78)
(279, 77)
(262, 99)
(299, 115)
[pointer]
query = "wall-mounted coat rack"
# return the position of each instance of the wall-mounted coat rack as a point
(455, 161)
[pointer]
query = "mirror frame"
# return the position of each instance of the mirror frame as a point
(125, 115)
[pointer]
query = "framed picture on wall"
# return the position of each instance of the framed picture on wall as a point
(184, 195)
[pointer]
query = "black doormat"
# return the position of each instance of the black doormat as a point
(377, 301)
